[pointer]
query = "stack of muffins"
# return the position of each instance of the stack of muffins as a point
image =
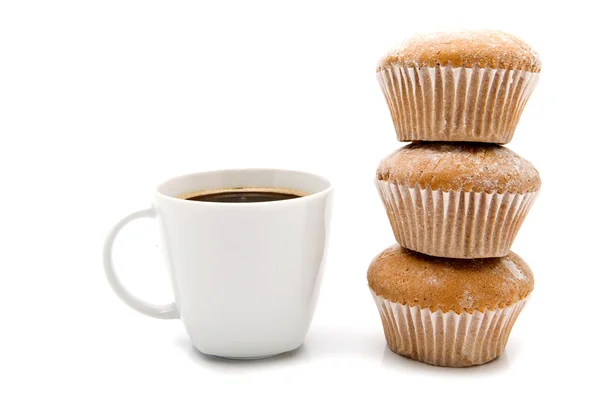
(450, 290)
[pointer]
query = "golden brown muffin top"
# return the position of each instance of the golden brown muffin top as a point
(478, 167)
(482, 48)
(407, 277)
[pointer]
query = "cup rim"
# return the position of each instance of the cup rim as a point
(328, 188)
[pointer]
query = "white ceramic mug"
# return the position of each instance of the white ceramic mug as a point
(246, 276)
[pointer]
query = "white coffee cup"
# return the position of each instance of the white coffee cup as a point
(246, 276)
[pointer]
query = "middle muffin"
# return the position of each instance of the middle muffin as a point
(458, 200)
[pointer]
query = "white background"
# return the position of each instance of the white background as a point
(101, 100)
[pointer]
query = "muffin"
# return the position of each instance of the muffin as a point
(448, 312)
(458, 86)
(458, 200)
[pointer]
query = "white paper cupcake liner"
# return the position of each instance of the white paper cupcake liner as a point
(454, 224)
(444, 103)
(447, 339)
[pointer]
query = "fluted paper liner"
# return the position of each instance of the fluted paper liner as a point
(446, 339)
(445, 103)
(454, 224)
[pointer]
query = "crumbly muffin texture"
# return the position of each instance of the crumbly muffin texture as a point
(465, 48)
(459, 166)
(461, 285)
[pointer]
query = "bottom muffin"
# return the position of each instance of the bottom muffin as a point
(448, 312)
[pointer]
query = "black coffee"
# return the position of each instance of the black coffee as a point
(243, 196)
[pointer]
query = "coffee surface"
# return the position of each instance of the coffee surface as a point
(250, 195)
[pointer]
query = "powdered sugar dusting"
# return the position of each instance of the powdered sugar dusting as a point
(466, 301)
(512, 267)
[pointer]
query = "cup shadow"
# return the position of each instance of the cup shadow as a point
(184, 344)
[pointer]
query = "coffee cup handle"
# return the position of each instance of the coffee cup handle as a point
(163, 311)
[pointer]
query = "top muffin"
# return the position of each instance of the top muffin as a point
(484, 48)
(462, 86)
